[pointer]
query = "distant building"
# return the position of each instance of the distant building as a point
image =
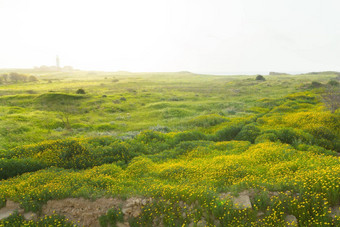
(57, 62)
(56, 67)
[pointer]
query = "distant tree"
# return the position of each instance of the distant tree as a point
(331, 98)
(14, 77)
(81, 91)
(333, 83)
(260, 77)
(65, 112)
(5, 77)
(23, 78)
(32, 79)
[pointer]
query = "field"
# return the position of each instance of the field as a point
(187, 149)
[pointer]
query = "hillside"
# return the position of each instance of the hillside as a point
(169, 149)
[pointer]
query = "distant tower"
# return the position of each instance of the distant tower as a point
(57, 62)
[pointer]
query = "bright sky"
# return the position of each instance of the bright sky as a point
(172, 35)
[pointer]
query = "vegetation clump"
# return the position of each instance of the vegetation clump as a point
(260, 78)
(81, 91)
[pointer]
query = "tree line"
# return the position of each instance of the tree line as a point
(14, 77)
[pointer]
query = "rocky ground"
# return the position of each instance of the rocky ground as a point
(86, 212)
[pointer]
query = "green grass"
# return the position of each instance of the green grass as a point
(175, 137)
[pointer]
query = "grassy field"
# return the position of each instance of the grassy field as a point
(178, 138)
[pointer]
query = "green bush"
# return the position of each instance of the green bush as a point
(248, 133)
(322, 132)
(229, 132)
(292, 136)
(111, 218)
(81, 91)
(266, 137)
(260, 78)
(150, 136)
(189, 136)
(139, 166)
(105, 127)
(206, 121)
(17, 220)
(333, 83)
(315, 149)
(13, 167)
(60, 153)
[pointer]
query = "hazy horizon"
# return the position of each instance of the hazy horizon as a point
(230, 73)
(216, 37)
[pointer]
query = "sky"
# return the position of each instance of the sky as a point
(203, 36)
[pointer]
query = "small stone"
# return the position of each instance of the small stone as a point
(217, 223)
(224, 196)
(250, 192)
(30, 216)
(291, 220)
(6, 214)
(201, 223)
(144, 202)
(242, 202)
(12, 205)
(127, 210)
(136, 212)
(259, 214)
(335, 211)
(125, 224)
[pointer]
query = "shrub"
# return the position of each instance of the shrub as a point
(315, 84)
(322, 132)
(111, 218)
(60, 153)
(315, 149)
(292, 136)
(206, 121)
(180, 149)
(80, 91)
(266, 137)
(260, 78)
(13, 167)
(139, 166)
(333, 83)
(116, 151)
(32, 79)
(105, 127)
(189, 136)
(331, 98)
(17, 219)
(229, 132)
(149, 136)
(248, 133)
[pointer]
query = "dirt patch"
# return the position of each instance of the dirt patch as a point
(9, 209)
(81, 211)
